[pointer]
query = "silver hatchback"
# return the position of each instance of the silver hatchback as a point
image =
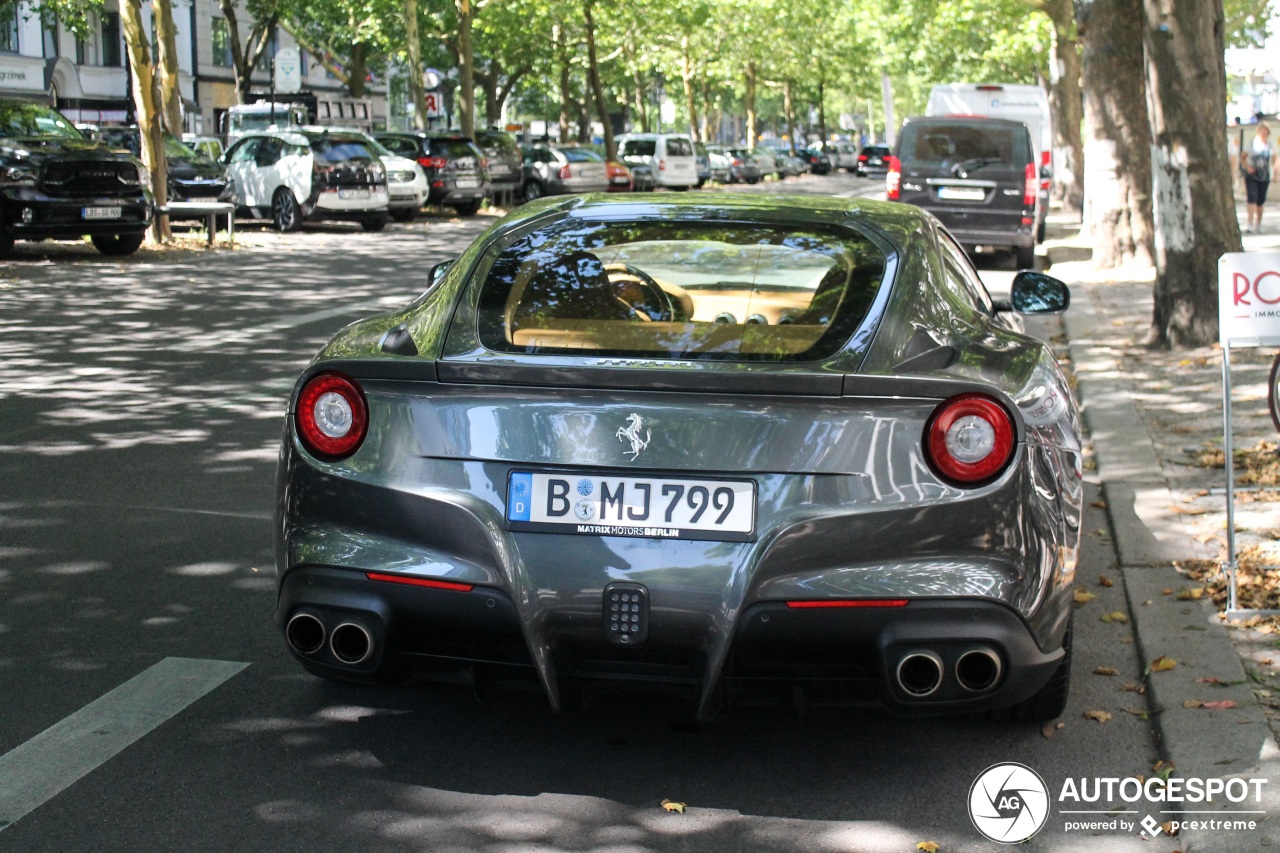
(555, 170)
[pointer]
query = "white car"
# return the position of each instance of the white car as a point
(669, 156)
(297, 175)
(407, 187)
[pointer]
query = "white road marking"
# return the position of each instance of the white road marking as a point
(54, 760)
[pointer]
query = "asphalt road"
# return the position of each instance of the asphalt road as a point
(147, 702)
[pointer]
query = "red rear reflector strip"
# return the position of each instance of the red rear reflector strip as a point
(409, 581)
(850, 602)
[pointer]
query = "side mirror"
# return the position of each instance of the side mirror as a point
(1037, 293)
(439, 271)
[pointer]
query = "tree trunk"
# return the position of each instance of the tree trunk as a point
(1194, 210)
(167, 66)
(686, 76)
(246, 56)
(413, 40)
(466, 70)
(750, 105)
(640, 106)
(788, 109)
(562, 60)
(822, 112)
(705, 130)
(492, 106)
(357, 69)
(597, 88)
(146, 101)
(1064, 101)
(1117, 176)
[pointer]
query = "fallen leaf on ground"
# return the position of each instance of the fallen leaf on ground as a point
(1163, 664)
(1192, 704)
(1117, 616)
(1083, 596)
(1220, 705)
(1208, 680)
(1191, 594)
(1050, 727)
(1099, 504)
(1137, 712)
(1100, 716)
(673, 807)
(1188, 510)
(1168, 590)
(1130, 687)
(1170, 828)
(1105, 670)
(1103, 580)
(928, 846)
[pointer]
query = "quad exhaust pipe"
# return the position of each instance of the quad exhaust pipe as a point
(919, 673)
(978, 669)
(350, 643)
(305, 634)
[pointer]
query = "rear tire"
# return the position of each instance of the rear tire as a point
(374, 223)
(471, 208)
(285, 212)
(1024, 257)
(117, 245)
(404, 216)
(1040, 231)
(6, 243)
(1273, 392)
(532, 191)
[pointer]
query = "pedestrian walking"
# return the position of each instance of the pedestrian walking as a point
(1256, 163)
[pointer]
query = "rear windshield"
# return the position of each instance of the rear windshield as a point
(638, 148)
(679, 147)
(679, 289)
(957, 143)
(581, 155)
(452, 148)
(499, 142)
(329, 149)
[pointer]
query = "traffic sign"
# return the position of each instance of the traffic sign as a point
(434, 103)
(431, 79)
(288, 70)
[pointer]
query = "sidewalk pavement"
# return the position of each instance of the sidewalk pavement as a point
(1151, 415)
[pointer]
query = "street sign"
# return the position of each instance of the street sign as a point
(435, 104)
(288, 70)
(1249, 299)
(431, 79)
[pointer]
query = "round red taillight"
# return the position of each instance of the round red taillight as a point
(331, 416)
(969, 439)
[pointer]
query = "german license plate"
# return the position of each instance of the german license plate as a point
(353, 193)
(648, 507)
(962, 193)
(468, 183)
(100, 213)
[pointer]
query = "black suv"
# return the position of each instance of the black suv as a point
(56, 184)
(873, 160)
(977, 175)
(457, 171)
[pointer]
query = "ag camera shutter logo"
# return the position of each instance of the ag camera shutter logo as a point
(1008, 803)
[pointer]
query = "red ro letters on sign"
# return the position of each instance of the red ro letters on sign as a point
(1265, 291)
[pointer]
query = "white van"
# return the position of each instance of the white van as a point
(1022, 102)
(669, 156)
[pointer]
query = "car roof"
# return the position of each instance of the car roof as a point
(963, 120)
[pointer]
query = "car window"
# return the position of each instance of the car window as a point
(269, 151)
(451, 148)
(638, 148)
(499, 142)
(581, 155)
(678, 146)
(402, 145)
(963, 276)
(246, 151)
(35, 120)
(331, 149)
(956, 143)
(679, 289)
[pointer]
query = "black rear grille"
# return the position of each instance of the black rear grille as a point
(351, 175)
(87, 177)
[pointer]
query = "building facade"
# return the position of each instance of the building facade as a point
(87, 78)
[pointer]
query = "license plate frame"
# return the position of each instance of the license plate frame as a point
(962, 194)
(602, 504)
(467, 183)
(355, 194)
(98, 214)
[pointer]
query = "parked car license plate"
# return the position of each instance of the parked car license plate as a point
(468, 183)
(353, 193)
(652, 507)
(962, 193)
(100, 213)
